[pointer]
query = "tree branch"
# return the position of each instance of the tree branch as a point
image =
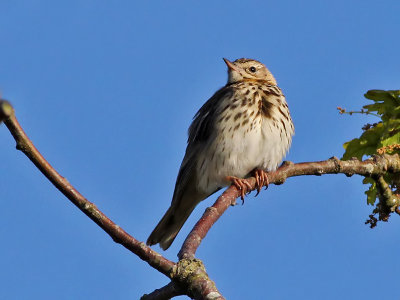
(374, 167)
(188, 275)
(385, 194)
(166, 292)
(192, 274)
(119, 236)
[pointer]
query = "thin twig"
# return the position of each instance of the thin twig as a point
(385, 193)
(166, 292)
(362, 111)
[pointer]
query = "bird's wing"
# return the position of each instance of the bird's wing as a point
(203, 122)
(200, 133)
(186, 194)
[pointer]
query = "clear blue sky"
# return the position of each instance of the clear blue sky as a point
(107, 92)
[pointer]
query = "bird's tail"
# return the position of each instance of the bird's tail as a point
(182, 205)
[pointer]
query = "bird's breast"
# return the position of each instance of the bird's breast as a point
(252, 130)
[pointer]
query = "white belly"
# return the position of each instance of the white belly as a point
(242, 144)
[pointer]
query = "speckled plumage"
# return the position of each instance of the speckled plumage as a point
(244, 126)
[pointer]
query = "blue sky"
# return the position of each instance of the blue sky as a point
(107, 92)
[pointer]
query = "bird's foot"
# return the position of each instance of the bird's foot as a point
(261, 179)
(241, 184)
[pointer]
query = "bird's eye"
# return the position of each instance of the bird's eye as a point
(253, 69)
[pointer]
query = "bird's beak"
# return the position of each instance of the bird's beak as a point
(230, 65)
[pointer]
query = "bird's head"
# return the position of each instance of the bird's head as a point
(244, 69)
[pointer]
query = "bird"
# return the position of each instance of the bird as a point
(244, 129)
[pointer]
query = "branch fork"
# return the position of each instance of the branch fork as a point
(188, 276)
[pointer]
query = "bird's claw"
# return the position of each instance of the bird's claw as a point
(261, 179)
(242, 185)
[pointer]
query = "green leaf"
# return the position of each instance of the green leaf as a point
(382, 95)
(367, 144)
(391, 140)
(372, 191)
(381, 108)
(387, 103)
(386, 133)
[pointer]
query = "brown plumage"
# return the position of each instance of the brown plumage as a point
(244, 128)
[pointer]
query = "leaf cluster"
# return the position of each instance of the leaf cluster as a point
(378, 138)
